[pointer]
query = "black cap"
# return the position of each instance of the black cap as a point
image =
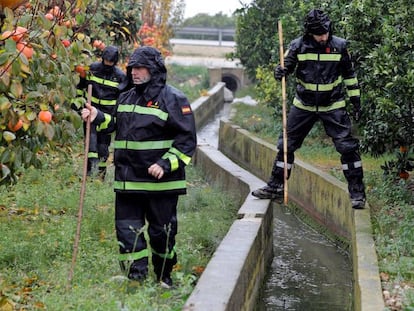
(317, 22)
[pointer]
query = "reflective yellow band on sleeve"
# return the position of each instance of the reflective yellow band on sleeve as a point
(355, 92)
(104, 124)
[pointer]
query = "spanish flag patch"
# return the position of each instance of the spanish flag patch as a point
(186, 109)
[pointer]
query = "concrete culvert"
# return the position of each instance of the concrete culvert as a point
(232, 82)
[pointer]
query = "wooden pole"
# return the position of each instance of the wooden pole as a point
(284, 118)
(82, 193)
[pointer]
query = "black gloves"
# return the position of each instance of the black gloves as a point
(356, 108)
(280, 72)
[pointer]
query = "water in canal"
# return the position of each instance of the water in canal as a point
(308, 272)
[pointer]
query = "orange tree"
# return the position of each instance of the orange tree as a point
(41, 44)
(159, 17)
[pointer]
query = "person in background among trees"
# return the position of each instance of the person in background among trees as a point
(323, 67)
(108, 81)
(155, 140)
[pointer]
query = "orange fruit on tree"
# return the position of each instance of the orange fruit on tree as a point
(96, 43)
(81, 70)
(25, 48)
(403, 149)
(7, 34)
(102, 46)
(66, 43)
(404, 175)
(17, 34)
(14, 127)
(12, 4)
(45, 116)
(49, 16)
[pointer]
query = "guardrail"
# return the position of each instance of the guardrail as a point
(201, 33)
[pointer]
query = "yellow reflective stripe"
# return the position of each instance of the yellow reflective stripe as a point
(80, 92)
(144, 110)
(183, 157)
(173, 160)
(92, 155)
(133, 256)
(168, 256)
(319, 57)
(336, 105)
(351, 81)
(103, 81)
(105, 102)
(320, 87)
(356, 92)
(142, 145)
(149, 186)
(105, 123)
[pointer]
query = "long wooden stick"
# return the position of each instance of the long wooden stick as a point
(82, 192)
(284, 118)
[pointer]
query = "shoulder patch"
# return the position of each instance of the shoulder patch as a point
(186, 109)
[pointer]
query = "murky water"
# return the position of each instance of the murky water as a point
(308, 272)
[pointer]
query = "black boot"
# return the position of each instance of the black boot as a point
(163, 268)
(268, 192)
(356, 188)
(136, 271)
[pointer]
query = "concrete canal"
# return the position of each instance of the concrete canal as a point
(308, 272)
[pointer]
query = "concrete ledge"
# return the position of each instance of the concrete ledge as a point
(205, 107)
(232, 278)
(325, 199)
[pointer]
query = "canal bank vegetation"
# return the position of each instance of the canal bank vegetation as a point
(38, 219)
(391, 199)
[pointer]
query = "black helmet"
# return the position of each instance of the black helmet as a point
(317, 22)
(111, 53)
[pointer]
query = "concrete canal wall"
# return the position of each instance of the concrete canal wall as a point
(232, 279)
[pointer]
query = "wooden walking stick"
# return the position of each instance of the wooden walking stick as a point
(284, 118)
(82, 192)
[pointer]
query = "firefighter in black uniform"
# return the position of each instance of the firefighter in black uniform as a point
(154, 141)
(108, 81)
(323, 66)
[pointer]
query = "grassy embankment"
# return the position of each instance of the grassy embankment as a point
(38, 218)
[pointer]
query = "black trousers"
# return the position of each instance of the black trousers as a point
(337, 125)
(132, 212)
(98, 150)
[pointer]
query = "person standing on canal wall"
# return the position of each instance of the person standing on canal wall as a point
(324, 71)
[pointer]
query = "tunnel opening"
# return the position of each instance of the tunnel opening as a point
(232, 83)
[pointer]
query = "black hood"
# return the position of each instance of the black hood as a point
(317, 23)
(151, 59)
(111, 53)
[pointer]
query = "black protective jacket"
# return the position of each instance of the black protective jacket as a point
(321, 73)
(153, 126)
(107, 83)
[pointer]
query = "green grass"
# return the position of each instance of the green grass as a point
(192, 80)
(38, 218)
(391, 199)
